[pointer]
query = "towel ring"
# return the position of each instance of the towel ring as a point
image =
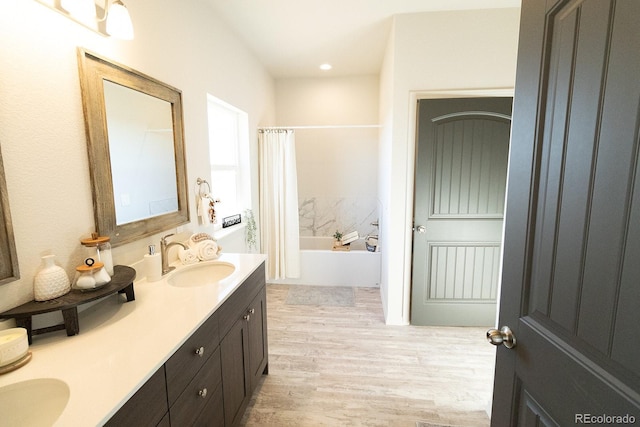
(200, 182)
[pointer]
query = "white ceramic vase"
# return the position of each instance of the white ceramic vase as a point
(51, 281)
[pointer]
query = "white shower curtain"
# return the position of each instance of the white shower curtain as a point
(279, 229)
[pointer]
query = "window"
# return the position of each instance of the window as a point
(229, 158)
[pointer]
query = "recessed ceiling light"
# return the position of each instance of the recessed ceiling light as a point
(326, 67)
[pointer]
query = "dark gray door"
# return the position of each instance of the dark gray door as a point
(571, 276)
(461, 174)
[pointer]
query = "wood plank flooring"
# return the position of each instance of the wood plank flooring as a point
(342, 366)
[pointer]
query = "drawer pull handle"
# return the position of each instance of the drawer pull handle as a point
(253, 310)
(203, 393)
(246, 317)
(200, 351)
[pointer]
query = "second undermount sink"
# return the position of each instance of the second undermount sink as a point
(206, 273)
(37, 402)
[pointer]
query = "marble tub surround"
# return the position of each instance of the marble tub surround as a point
(337, 170)
(322, 216)
(121, 345)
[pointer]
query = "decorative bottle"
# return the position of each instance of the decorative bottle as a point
(104, 255)
(99, 248)
(51, 281)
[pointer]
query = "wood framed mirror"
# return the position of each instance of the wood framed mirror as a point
(135, 139)
(8, 257)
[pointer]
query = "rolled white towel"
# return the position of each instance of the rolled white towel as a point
(187, 256)
(199, 237)
(207, 250)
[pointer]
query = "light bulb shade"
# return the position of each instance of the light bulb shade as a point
(83, 10)
(119, 22)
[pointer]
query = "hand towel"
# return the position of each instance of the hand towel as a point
(203, 210)
(187, 256)
(350, 237)
(207, 250)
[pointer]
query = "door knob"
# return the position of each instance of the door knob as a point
(421, 229)
(503, 336)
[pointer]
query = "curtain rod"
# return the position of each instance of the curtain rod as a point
(319, 127)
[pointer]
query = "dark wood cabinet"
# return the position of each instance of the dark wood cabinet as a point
(194, 376)
(203, 392)
(147, 407)
(243, 349)
(209, 380)
(192, 356)
(257, 333)
(234, 352)
(165, 421)
(213, 413)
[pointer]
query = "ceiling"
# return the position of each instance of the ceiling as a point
(293, 37)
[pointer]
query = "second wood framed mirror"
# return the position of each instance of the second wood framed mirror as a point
(134, 126)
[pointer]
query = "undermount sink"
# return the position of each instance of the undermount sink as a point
(201, 274)
(37, 402)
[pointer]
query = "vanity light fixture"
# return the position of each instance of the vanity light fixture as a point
(119, 23)
(115, 20)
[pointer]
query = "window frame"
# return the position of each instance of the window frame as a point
(242, 158)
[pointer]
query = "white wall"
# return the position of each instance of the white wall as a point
(42, 125)
(327, 101)
(429, 54)
(385, 149)
(337, 167)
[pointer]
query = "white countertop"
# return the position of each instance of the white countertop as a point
(121, 344)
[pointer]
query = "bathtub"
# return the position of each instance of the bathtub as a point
(321, 266)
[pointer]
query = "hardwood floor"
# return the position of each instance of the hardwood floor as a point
(335, 365)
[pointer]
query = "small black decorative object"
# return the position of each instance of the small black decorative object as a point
(231, 220)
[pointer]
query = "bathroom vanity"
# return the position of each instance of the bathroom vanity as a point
(177, 355)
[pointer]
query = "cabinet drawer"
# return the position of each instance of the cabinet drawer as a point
(234, 307)
(146, 407)
(213, 413)
(193, 399)
(191, 356)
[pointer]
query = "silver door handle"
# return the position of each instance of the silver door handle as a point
(503, 336)
(420, 229)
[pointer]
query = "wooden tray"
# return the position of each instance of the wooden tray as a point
(121, 282)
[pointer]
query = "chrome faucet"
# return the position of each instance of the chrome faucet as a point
(164, 252)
